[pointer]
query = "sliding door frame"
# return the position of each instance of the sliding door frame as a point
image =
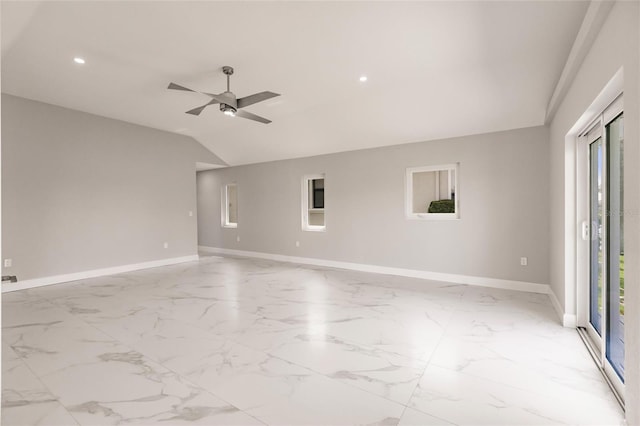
(596, 341)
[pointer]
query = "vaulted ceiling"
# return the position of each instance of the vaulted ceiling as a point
(434, 69)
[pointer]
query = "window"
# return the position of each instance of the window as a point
(432, 192)
(317, 186)
(313, 203)
(230, 206)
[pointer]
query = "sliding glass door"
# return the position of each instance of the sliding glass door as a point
(615, 246)
(596, 247)
(605, 326)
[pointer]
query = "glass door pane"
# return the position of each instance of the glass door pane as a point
(615, 264)
(596, 253)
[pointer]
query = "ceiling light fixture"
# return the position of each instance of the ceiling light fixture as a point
(228, 110)
(78, 60)
(363, 78)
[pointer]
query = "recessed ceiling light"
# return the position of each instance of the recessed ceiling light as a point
(78, 60)
(363, 78)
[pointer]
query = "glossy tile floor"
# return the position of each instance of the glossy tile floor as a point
(229, 341)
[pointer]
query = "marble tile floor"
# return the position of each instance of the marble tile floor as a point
(233, 341)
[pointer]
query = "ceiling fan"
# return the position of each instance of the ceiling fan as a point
(229, 104)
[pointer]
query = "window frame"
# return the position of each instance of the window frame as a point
(307, 203)
(455, 167)
(225, 206)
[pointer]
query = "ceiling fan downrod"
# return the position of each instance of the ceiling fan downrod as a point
(228, 71)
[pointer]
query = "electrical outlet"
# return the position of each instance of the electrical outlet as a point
(524, 261)
(8, 263)
(238, 238)
(166, 245)
(297, 243)
(190, 213)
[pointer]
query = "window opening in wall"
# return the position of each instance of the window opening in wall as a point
(313, 214)
(432, 192)
(230, 206)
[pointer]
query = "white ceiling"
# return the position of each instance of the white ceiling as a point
(435, 69)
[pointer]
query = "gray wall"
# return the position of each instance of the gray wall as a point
(617, 45)
(82, 192)
(503, 184)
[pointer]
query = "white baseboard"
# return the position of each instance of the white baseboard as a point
(568, 320)
(412, 273)
(556, 304)
(56, 279)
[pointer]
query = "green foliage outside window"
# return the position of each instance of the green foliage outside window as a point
(442, 206)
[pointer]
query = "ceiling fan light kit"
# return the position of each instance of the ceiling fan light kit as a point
(228, 110)
(229, 104)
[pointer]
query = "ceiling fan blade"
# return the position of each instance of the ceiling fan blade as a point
(174, 86)
(245, 114)
(197, 111)
(253, 99)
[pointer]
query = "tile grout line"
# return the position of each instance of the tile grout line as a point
(39, 299)
(491, 380)
(228, 338)
(348, 341)
(444, 332)
(195, 385)
(44, 386)
(225, 337)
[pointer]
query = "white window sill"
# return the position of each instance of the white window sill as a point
(314, 228)
(230, 225)
(433, 216)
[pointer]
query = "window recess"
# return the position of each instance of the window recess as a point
(432, 192)
(230, 206)
(313, 197)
